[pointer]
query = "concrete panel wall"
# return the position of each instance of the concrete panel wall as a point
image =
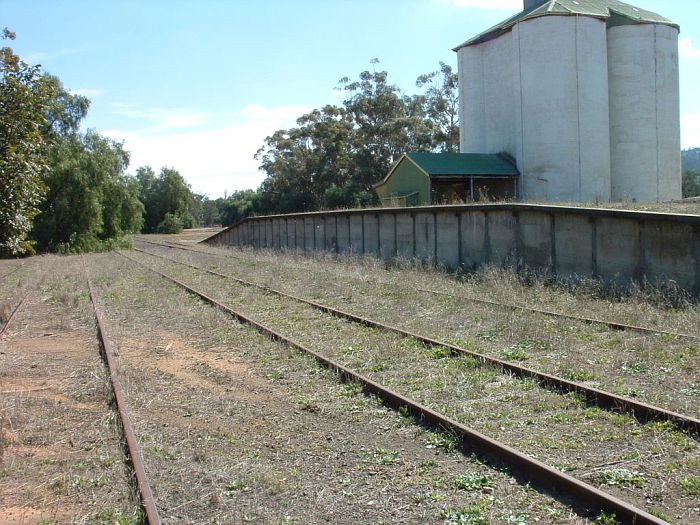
(615, 246)
(475, 239)
(387, 236)
(357, 234)
(424, 231)
(501, 238)
(405, 238)
(617, 253)
(371, 234)
(447, 231)
(573, 253)
(534, 239)
(343, 233)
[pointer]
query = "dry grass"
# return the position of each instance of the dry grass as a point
(557, 429)
(62, 460)
(237, 428)
(659, 369)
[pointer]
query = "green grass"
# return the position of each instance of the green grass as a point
(473, 482)
(621, 477)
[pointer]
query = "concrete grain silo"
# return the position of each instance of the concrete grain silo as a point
(583, 94)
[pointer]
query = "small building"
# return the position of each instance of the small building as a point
(419, 179)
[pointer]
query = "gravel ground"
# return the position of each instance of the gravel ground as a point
(235, 428)
(659, 369)
(649, 465)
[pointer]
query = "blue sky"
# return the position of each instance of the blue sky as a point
(199, 85)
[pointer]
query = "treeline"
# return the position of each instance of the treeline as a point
(66, 191)
(336, 154)
(691, 172)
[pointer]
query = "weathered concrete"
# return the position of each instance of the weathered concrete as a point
(616, 246)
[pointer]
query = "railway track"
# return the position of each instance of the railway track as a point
(8, 274)
(549, 313)
(16, 309)
(526, 468)
(13, 314)
(133, 452)
(593, 396)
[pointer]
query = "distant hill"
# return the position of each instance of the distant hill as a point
(690, 159)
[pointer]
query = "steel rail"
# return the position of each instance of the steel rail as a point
(16, 309)
(593, 396)
(5, 276)
(529, 470)
(133, 452)
(587, 320)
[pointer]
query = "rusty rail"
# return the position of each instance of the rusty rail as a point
(132, 448)
(16, 309)
(587, 320)
(593, 396)
(529, 470)
(5, 276)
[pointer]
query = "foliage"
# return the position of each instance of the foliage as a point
(89, 199)
(336, 154)
(690, 159)
(24, 101)
(167, 194)
(442, 107)
(691, 184)
(239, 205)
(171, 223)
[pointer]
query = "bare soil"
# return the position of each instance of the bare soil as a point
(61, 459)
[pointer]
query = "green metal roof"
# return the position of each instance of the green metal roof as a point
(446, 164)
(613, 11)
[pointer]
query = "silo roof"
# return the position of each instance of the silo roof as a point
(613, 11)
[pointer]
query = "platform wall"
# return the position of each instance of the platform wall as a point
(618, 247)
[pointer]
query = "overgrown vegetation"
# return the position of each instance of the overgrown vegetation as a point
(60, 190)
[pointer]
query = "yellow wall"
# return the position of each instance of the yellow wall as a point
(408, 181)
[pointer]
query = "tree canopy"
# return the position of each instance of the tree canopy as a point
(59, 189)
(336, 154)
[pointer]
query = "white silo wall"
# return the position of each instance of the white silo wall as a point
(486, 96)
(644, 112)
(471, 100)
(565, 132)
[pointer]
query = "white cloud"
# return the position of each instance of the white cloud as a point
(88, 92)
(686, 49)
(161, 120)
(213, 160)
(513, 5)
(690, 130)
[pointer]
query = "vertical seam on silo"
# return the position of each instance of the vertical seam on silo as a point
(656, 108)
(578, 106)
(482, 131)
(522, 119)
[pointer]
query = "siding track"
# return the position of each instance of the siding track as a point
(528, 469)
(549, 313)
(593, 396)
(132, 448)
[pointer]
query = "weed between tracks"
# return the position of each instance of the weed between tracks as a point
(659, 369)
(557, 429)
(237, 428)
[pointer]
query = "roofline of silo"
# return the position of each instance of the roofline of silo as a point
(508, 24)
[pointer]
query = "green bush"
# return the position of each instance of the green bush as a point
(170, 224)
